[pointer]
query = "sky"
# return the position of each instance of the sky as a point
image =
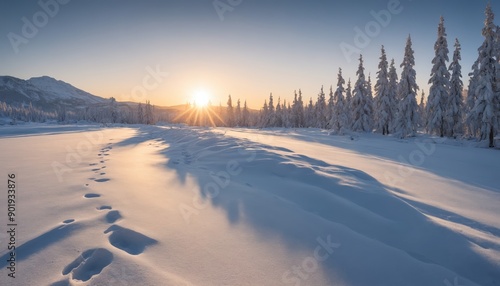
(166, 51)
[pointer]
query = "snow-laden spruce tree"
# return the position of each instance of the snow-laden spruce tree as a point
(371, 104)
(237, 114)
(330, 107)
(298, 110)
(348, 102)
(470, 101)
(245, 115)
(309, 117)
(278, 120)
(485, 115)
(271, 112)
(384, 103)
(321, 111)
(361, 103)
(454, 107)
(440, 84)
(287, 114)
(230, 121)
(407, 121)
(339, 118)
(393, 95)
(421, 111)
(264, 115)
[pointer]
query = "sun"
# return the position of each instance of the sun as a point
(201, 98)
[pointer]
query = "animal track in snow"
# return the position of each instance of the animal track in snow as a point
(101, 180)
(104, 208)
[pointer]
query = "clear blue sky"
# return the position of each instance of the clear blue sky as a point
(260, 46)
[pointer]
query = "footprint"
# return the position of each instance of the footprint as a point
(96, 169)
(101, 180)
(68, 221)
(64, 282)
(130, 241)
(113, 216)
(92, 164)
(102, 174)
(91, 196)
(104, 208)
(91, 262)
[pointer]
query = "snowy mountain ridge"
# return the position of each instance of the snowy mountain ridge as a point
(45, 92)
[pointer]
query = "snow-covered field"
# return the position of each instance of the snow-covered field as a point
(175, 205)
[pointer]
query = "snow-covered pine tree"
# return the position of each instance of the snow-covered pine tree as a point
(330, 108)
(289, 123)
(140, 114)
(348, 104)
(369, 98)
(309, 120)
(485, 114)
(421, 111)
(271, 112)
(230, 112)
(407, 121)
(149, 113)
(440, 84)
(361, 107)
(339, 118)
(454, 115)
(264, 115)
(295, 113)
(237, 114)
(300, 110)
(470, 101)
(384, 103)
(393, 95)
(320, 111)
(245, 115)
(278, 121)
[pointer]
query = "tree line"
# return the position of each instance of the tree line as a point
(387, 107)
(390, 106)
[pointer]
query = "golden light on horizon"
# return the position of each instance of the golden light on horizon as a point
(201, 98)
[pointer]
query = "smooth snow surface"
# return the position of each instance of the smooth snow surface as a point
(175, 205)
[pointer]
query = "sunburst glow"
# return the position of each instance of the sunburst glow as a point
(201, 98)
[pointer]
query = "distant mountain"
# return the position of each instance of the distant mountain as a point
(46, 93)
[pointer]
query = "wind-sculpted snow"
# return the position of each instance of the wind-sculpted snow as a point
(176, 205)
